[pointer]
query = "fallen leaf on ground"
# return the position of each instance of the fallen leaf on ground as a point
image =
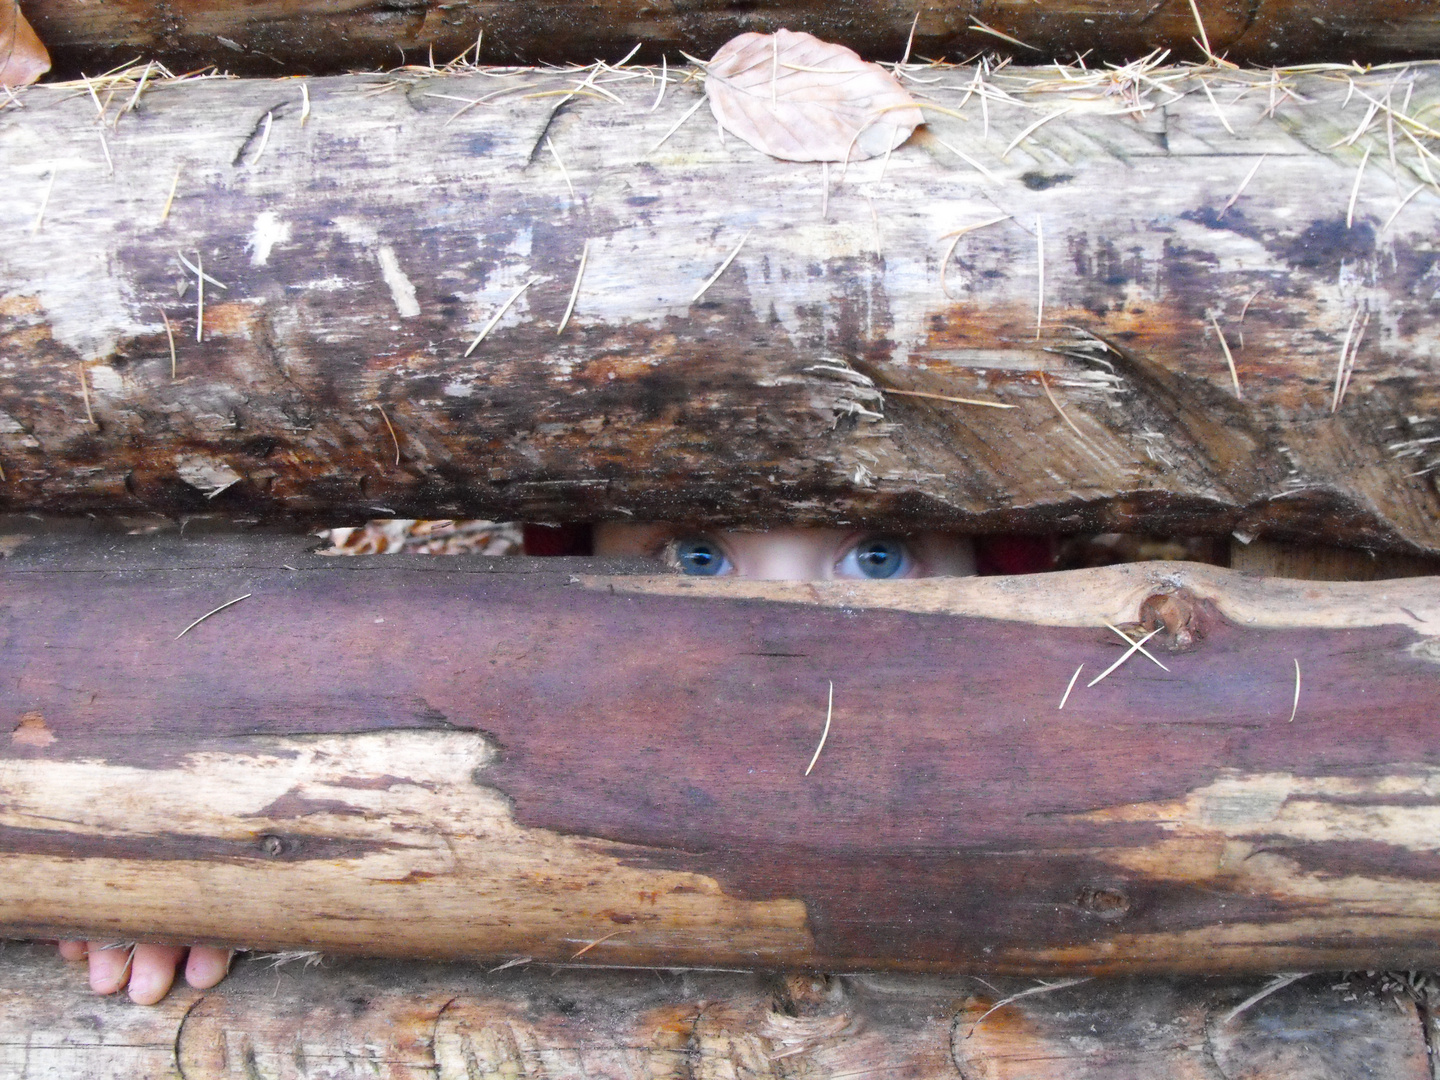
(795, 97)
(23, 58)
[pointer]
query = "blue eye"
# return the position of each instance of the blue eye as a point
(700, 556)
(876, 557)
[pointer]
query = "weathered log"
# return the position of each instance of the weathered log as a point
(402, 1021)
(454, 758)
(364, 247)
(328, 36)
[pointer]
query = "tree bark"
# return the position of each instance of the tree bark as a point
(404, 1021)
(366, 245)
(328, 36)
(494, 758)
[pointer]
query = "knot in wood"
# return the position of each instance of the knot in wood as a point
(274, 846)
(1103, 902)
(1179, 612)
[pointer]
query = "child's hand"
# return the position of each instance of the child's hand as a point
(149, 970)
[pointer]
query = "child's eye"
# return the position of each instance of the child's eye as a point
(701, 556)
(876, 557)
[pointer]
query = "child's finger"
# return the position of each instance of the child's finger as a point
(73, 950)
(109, 966)
(207, 966)
(153, 971)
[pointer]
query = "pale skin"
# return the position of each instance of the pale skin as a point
(791, 554)
(148, 971)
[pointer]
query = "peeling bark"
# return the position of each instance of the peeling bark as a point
(364, 250)
(494, 758)
(327, 36)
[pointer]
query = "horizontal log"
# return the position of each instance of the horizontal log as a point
(404, 1021)
(495, 758)
(327, 36)
(366, 244)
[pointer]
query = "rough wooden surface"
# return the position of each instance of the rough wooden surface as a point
(291, 36)
(364, 249)
(1307, 562)
(459, 757)
(406, 1021)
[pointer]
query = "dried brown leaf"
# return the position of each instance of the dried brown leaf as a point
(795, 97)
(23, 58)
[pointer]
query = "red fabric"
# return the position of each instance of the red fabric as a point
(1014, 554)
(557, 539)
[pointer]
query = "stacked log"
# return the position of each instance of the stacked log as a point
(1199, 297)
(331, 36)
(277, 1016)
(241, 743)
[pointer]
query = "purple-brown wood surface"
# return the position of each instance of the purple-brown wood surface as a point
(314, 36)
(494, 758)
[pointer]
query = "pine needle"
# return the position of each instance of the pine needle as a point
(109, 161)
(169, 199)
(170, 336)
(1131, 641)
(1032, 128)
(1243, 185)
(664, 79)
(976, 24)
(1045, 384)
(1066, 696)
(44, 202)
(1355, 191)
(676, 126)
(1229, 359)
(955, 240)
(85, 393)
(1043, 988)
(829, 712)
(196, 270)
(1340, 368)
(597, 941)
(215, 611)
(981, 169)
(716, 276)
(391, 428)
(496, 317)
(1279, 982)
(1403, 203)
(1354, 352)
(575, 290)
(1039, 276)
(199, 296)
(264, 138)
(1204, 37)
(564, 172)
(947, 397)
(1213, 103)
(1134, 647)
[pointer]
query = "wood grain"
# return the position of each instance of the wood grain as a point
(321, 36)
(494, 758)
(402, 1021)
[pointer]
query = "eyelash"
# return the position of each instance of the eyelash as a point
(897, 545)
